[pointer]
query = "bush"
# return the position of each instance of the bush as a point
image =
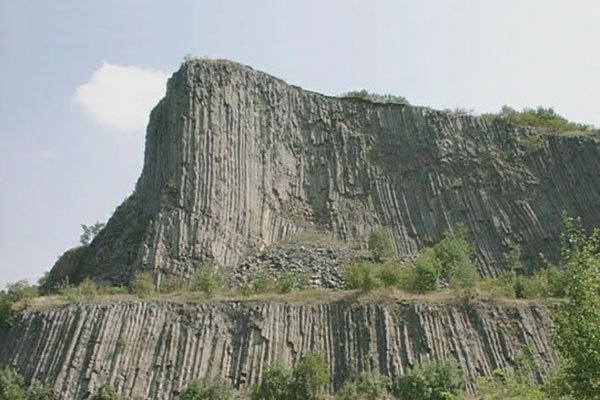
(303, 382)
(12, 388)
(205, 390)
(142, 284)
(540, 117)
(437, 380)
(381, 244)
(276, 384)
(361, 275)
(375, 98)
(13, 300)
(290, 281)
(426, 272)
(368, 386)
(106, 392)
(392, 275)
(207, 280)
(311, 373)
(171, 285)
(11, 385)
(455, 256)
(507, 387)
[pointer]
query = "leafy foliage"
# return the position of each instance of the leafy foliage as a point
(455, 256)
(106, 392)
(142, 284)
(12, 387)
(577, 335)
(362, 276)
(508, 387)
(90, 232)
(427, 271)
(381, 244)
(375, 98)
(13, 300)
(303, 382)
(437, 380)
(276, 384)
(368, 386)
(207, 390)
(541, 117)
(207, 280)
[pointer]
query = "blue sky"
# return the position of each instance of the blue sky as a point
(69, 154)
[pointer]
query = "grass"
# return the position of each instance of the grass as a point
(381, 295)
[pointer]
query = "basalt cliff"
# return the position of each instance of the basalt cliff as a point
(238, 166)
(237, 160)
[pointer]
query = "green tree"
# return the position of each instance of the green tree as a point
(368, 386)
(308, 377)
(11, 385)
(456, 257)
(436, 380)
(381, 244)
(207, 390)
(13, 300)
(362, 275)
(577, 334)
(207, 280)
(90, 232)
(508, 387)
(276, 384)
(427, 270)
(106, 392)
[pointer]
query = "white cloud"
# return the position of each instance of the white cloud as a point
(121, 96)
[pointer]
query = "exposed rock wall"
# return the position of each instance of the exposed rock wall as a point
(149, 350)
(236, 159)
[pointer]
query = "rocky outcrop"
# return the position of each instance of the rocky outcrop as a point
(149, 350)
(236, 160)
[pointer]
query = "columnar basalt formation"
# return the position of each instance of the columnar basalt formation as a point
(150, 350)
(237, 160)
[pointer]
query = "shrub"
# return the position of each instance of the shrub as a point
(41, 392)
(142, 284)
(106, 392)
(437, 380)
(381, 244)
(375, 98)
(507, 387)
(171, 285)
(311, 373)
(205, 390)
(207, 280)
(455, 256)
(292, 281)
(11, 385)
(361, 275)
(368, 386)
(426, 272)
(392, 275)
(276, 384)
(13, 300)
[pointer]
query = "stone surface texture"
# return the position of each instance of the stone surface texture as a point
(150, 350)
(237, 160)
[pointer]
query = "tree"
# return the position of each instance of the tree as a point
(456, 257)
(311, 373)
(435, 380)
(381, 244)
(204, 390)
(90, 232)
(106, 392)
(577, 334)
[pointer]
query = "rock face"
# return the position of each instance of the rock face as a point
(236, 159)
(150, 350)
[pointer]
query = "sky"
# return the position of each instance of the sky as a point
(78, 79)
